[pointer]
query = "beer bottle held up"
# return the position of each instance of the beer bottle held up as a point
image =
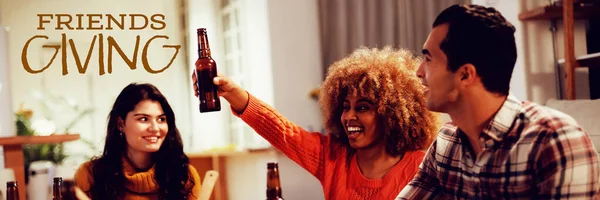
(57, 188)
(206, 71)
(12, 190)
(273, 184)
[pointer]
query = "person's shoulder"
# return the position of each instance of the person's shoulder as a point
(548, 119)
(193, 173)
(195, 190)
(547, 127)
(84, 176)
(85, 169)
(416, 156)
(447, 136)
(448, 129)
(410, 163)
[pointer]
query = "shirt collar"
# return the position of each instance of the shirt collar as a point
(504, 118)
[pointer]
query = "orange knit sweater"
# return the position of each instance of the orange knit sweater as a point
(139, 185)
(325, 158)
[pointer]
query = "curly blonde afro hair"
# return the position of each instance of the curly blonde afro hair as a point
(387, 78)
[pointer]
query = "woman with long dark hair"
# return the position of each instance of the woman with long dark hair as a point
(143, 154)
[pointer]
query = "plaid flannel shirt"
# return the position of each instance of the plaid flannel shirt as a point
(529, 152)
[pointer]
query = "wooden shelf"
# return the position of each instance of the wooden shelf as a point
(15, 140)
(556, 12)
(568, 12)
(589, 60)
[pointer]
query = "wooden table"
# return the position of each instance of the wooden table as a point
(13, 153)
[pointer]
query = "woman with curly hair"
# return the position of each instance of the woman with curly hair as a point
(143, 154)
(375, 114)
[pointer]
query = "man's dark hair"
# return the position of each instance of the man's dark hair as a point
(482, 37)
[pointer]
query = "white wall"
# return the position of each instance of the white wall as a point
(7, 125)
(247, 178)
(258, 58)
(212, 130)
(297, 68)
(295, 60)
(208, 128)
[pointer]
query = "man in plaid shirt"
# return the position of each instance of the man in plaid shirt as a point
(496, 146)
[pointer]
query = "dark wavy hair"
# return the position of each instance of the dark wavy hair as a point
(171, 173)
(483, 37)
(385, 76)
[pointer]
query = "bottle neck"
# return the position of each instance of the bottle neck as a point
(273, 184)
(203, 46)
(56, 189)
(274, 193)
(12, 192)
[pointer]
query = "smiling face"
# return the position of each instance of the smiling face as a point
(441, 84)
(145, 127)
(359, 119)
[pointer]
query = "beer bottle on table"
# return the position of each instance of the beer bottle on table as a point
(57, 188)
(273, 183)
(12, 190)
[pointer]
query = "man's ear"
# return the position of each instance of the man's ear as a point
(467, 73)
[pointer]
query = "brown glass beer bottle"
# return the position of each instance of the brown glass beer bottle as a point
(12, 190)
(206, 71)
(273, 184)
(57, 188)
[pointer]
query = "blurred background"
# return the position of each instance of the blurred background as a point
(278, 50)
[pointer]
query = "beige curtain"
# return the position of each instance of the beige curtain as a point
(349, 24)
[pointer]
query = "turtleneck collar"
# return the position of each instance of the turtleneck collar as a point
(139, 182)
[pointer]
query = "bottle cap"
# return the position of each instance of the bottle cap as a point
(272, 165)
